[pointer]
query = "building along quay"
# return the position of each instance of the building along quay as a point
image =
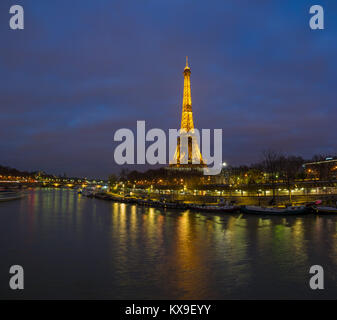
(301, 193)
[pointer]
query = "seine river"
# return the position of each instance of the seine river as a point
(75, 247)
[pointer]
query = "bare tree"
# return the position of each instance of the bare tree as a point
(123, 175)
(323, 169)
(289, 169)
(271, 165)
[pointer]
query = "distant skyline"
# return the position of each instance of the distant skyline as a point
(78, 72)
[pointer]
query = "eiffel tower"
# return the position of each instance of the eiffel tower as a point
(192, 158)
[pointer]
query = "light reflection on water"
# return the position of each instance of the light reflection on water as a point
(74, 247)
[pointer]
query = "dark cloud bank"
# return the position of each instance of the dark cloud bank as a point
(82, 69)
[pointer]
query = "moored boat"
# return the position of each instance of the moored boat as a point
(214, 208)
(102, 195)
(325, 210)
(88, 191)
(292, 210)
(7, 195)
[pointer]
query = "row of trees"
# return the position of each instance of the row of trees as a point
(8, 171)
(161, 178)
(279, 167)
(274, 168)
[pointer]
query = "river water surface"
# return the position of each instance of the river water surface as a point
(75, 247)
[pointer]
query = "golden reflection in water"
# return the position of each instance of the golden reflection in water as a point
(281, 239)
(80, 205)
(318, 234)
(234, 252)
(230, 229)
(56, 199)
(41, 202)
(318, 226)
(133, 231)
(264, 233)
(119, 224)
(333, 254)
(150, 220)
(298, 240)
(190, 273)
(193, 270)
(298, 229)
(133, 220)
(264, 222)
(115, 216)
(114, 208)
(30, 204)
(189, 266)
(122, 218)
(281, 245)
(47, 204)
(71, 202)
(153, 228)
(148, 223)
(64, 201)
(236, 232)
(217, 232)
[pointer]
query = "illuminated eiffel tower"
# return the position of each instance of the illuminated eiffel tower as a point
(192, 158)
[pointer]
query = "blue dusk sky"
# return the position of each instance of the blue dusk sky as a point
(81, 69)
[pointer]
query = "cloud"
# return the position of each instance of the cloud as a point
(78, 72)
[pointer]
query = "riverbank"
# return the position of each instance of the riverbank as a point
(222, 207)
(249, 200)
